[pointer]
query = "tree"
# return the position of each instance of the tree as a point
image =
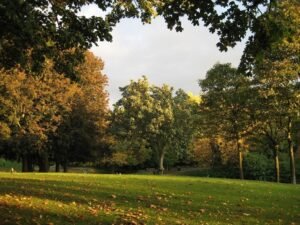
(130, 121)
(269, 126)
(185, 110)
(278, 25)
(224, 106)
(277, 68)
(32, 31)
(33, 108)
(162, 130)
(82, 135)
(144, 119)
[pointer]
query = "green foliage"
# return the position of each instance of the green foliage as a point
(258, 167)
(149, 121)
(131, 152)
(6, 165)
(32, 31)
(185, 124)
(225, 111)
(275, 36)
(276, 74)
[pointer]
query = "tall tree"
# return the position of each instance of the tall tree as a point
(131, 118)
(162, 129)
(225, 94)
(82, 135)
(144, 114)
(277, 68)
(185, 110)
(277, 26)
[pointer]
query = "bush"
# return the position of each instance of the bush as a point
(6, 165)
(258, 167)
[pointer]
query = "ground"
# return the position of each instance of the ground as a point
(33, 198)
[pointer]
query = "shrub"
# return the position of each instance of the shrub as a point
(258, 167)
(6, 165)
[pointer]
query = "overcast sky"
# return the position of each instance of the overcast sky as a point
(164, 56)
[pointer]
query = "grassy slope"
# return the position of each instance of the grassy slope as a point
(108, 199)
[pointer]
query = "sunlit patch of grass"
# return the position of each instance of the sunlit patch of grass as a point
(35, 198)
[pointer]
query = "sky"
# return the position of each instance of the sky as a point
(164, 56)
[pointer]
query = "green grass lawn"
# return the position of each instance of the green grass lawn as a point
(34, 198)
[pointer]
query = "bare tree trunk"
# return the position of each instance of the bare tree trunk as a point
(65, 166)
(292, 165)
(57, 166)
(297, 155)
(240, 160)
(161, 162)
(30, 165)
(241, 165)
(276, 163)
(291, 152)
(44, 162)
(25, 163)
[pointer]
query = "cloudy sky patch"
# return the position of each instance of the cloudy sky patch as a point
(164, 56)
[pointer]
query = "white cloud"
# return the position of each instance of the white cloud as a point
(177, 59)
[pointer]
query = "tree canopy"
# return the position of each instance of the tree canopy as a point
(32, 31)
(49, 116)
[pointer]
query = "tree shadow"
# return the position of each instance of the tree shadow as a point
(63, 191)
(14, 214)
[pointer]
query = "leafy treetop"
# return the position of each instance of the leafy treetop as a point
(32, 30)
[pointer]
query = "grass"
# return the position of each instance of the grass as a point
(33, 198)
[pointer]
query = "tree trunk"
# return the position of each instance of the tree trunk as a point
(241, 165)
(291, 152)
(44, 163)
(57, 166)
(297, 155)
(161, 163)
(276, 164)
(25, 163)
(30, 165)
(240, 160)
(65, 166)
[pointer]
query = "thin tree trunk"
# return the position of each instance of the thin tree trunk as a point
(30, 165)
(292, 165)
(291, 152)
(44, 163)
(276, 164)
(241, 165)
(24, 163)
(57, 166)
(297, 155)
(65, 166)
(240, 160)
(161, 163)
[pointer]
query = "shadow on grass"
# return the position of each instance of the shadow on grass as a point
(64, 191)
(13, 214)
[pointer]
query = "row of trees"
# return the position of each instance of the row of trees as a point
(234, 116)
(246, 112)
(50, 117)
